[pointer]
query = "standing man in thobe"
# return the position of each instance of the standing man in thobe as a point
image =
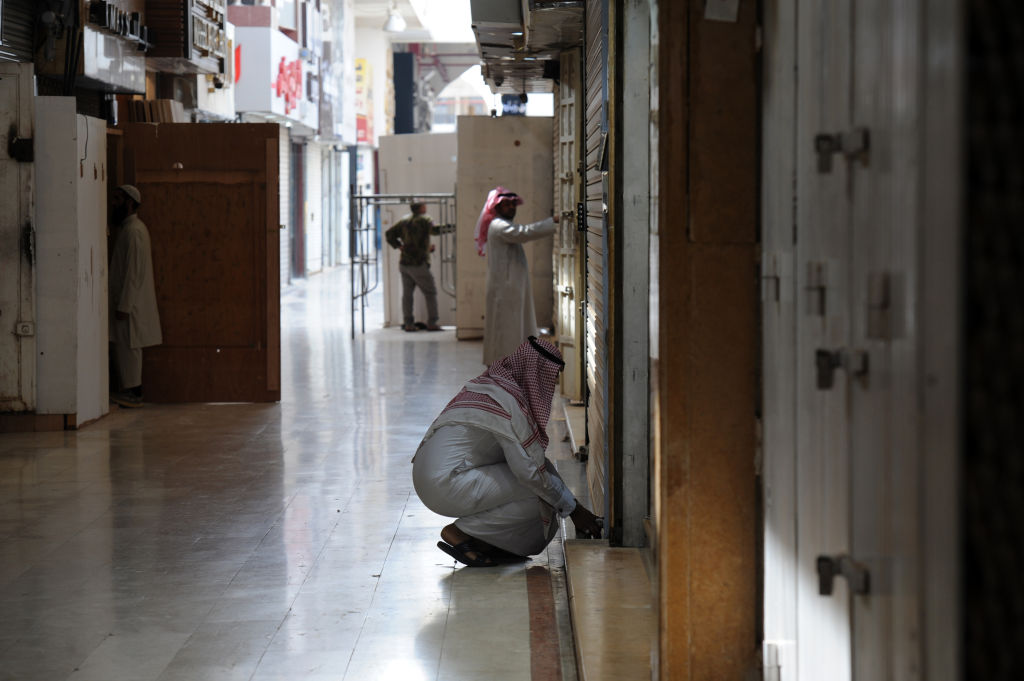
(134, 319)
(509, 317)
(411, 235)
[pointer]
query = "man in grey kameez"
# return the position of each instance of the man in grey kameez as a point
(134, 319)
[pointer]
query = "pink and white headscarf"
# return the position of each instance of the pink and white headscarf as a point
(496, 196)
(529, 375)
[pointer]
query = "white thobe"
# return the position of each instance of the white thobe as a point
(472, 466)
(509, 317)
(131, 287)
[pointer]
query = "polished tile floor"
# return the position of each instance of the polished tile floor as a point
(274, 542)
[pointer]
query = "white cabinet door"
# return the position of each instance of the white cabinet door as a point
(852, 480)
(885, 453)
(823, 326)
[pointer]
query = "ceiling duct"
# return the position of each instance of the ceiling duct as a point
(518, 40)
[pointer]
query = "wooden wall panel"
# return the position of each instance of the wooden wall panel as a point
(706, 489)
(210, 201)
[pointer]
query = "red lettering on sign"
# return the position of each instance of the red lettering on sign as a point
(288, 83)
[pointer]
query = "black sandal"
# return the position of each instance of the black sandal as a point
(459, 552)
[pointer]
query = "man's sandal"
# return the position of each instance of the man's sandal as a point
(460, 553)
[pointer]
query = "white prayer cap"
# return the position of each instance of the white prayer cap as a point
(132, 192)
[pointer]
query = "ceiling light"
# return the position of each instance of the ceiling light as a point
(395, 22)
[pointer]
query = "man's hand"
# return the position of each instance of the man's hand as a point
(587, 524)
(431, 248)
(555, 218)
(121, 315)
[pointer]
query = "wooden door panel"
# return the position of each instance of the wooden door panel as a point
(210, 201)
(17, 278)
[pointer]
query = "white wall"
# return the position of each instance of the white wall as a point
(71, 266)
(349, 77)
(373, 45)
(284, 179)
(408, 164)
(314, 207)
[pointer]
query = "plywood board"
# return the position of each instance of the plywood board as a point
(409, 164)
(515, 152)
(210, 201)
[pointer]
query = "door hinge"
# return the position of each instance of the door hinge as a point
(853, 145)
(20, 149)
(856, 574)
(854, 362)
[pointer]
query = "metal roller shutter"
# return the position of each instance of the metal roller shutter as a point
(596, 244)
(17, 26)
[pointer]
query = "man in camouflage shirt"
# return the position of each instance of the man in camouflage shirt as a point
(411, 235)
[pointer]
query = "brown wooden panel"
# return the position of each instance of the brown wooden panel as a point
(210, 201)
(211, 374)
(708, 563)
(273, 262)
(206, 268)
(723, 167)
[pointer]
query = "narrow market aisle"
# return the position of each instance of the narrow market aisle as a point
(266, 542)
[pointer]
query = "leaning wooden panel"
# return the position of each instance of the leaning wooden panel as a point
(210, 202)
(706, 491)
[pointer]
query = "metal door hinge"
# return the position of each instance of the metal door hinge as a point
(856, 574)
(855, 362)
(581, 216)
(853, 145)
(20, 149)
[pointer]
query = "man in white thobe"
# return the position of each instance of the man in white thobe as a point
(134, 319)
(483, 462)
(509, 316)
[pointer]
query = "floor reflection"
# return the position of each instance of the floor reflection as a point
(257, 542)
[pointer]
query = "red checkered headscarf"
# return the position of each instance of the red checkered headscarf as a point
(529, 375)
(496, 196)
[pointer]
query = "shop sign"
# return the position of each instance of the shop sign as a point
(288, 83)
(364, 102)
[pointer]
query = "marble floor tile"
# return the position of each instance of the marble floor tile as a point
(257, 542)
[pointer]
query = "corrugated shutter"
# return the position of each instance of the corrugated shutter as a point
(569, 286)
(17, 27)
(596, 125)
(284, 186)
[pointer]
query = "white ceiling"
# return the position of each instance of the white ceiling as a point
(444, 21)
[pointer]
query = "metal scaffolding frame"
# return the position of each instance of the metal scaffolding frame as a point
(365, 242)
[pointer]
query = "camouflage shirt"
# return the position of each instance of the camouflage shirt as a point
(411, 234)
